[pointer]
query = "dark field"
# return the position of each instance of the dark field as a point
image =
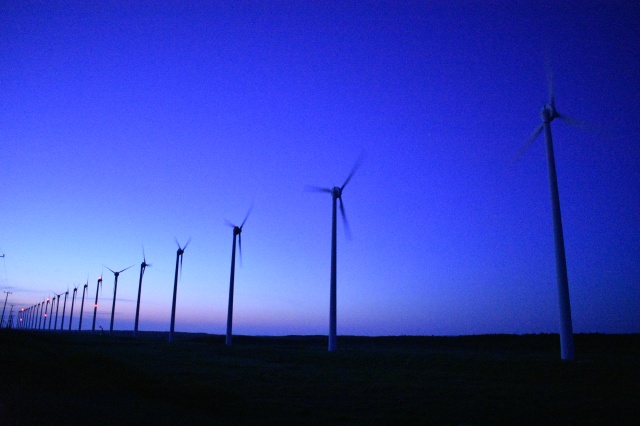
(52, 378)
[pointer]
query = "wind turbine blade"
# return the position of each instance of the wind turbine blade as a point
(524, 148)
(177, 243)
(240, 247)
(550, 82)
(185, 246)
(229, 224)
(144, 256)
(108, 268)
(347, 231)
(353, 171)
(571, 121)
(181, 257)
(126, 269)
(311, 188)
(246, 217)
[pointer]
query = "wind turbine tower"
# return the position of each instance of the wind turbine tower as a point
(143, 267)
(549, 113)
(179, 255)
(7, 293)
(84, 289)
(237, 232)
(336, 195)
(95, 305)
(64, 308)
(43, 308)
(115, 289)
(55, 325)
(73, 301)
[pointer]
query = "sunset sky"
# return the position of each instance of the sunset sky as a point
(128, 124)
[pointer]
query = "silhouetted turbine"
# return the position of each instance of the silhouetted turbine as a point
(95, 305)
(549, 113)
(43, 308)
(73, 301)
(237, 232)
(84, 289)
(179, 255)
(143, 266)
(115, 290)
(57, 303)
(64, 308)
(336, 194)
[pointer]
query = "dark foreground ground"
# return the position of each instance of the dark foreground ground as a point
(61, 379)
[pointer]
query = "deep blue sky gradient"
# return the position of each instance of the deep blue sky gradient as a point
(126, 124)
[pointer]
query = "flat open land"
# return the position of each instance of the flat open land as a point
(61, 378)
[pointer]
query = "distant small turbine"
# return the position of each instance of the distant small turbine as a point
(73, 301)
(143, 266)
(84, 290)
(55, 325)
(115, 289)
(179, 255)
(549, 113)
(95, 305)
(43, 308)
(64, 308)
(53, 302)
(237, 232)
(336, 194)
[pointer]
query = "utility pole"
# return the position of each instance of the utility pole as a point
(7, 293)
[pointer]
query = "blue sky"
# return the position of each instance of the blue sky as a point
(124, 125)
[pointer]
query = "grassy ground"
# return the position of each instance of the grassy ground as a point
(62, 378)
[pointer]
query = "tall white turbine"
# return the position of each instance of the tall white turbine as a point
(549, 113)
(336, 194)
(237, 232)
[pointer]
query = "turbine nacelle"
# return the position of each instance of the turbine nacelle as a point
(549, 112)
(336, 192)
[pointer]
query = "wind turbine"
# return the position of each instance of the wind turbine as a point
(53, 301)
(84, 289)
(45, 314)
(143, 266)
(549, 113)
(179, 255)
(55, 325)
(336, 194)
(115, 289)
(73, 301)
(95, 305)
(7, 293)
(64, 308)
(237, 232)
